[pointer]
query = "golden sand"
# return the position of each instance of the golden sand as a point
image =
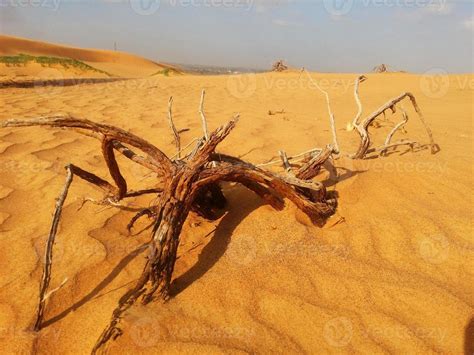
(395, 276)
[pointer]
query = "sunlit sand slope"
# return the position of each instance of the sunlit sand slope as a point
(394, 276)
(113, 62)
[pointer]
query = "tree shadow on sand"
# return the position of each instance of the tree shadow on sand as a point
(103, 284)
(469, 338)
(241, 202)
(212, 252)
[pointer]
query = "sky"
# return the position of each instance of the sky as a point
(320, 35)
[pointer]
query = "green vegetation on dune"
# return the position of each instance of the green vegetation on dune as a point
(166, 72)
(23, 59)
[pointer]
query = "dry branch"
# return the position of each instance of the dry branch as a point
(332, 119)
(363, 127)
(177, 139)
(273, 113)
(157, 158)
(284, 159)
(313, 167)
(48, 257)
(203, 116)
(397, 127)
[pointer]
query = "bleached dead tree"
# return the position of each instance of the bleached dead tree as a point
(363, 127)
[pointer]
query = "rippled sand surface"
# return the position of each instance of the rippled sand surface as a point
(391, 272)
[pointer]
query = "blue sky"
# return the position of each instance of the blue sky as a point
(322, 35)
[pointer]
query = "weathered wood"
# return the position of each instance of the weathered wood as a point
(284, 159)
(156, 156)
(177, 139)
(363, 127)
(109, 156)
(313, 167)
(332, 119)
(48, 257)
(397, 127)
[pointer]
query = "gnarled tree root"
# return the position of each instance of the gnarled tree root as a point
(185, 185)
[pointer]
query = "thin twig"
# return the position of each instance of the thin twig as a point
(48, 257)
(292, 158)
(395, 129)
(177, 139)
(186, 147)
(332, 119)
(50, 293)
(203, 116)
(284, 159)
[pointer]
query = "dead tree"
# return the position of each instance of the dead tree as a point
(363, 127)
(279, 66)
(191, 184)
(382, 68)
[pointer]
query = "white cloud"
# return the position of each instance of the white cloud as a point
(426, 9)
(469, 24)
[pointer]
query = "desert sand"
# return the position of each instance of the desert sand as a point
(114, 63)
(392, 271)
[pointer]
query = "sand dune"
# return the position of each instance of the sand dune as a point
(395, 276)
(113, 62)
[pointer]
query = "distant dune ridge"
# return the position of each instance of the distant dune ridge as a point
(115, 63)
